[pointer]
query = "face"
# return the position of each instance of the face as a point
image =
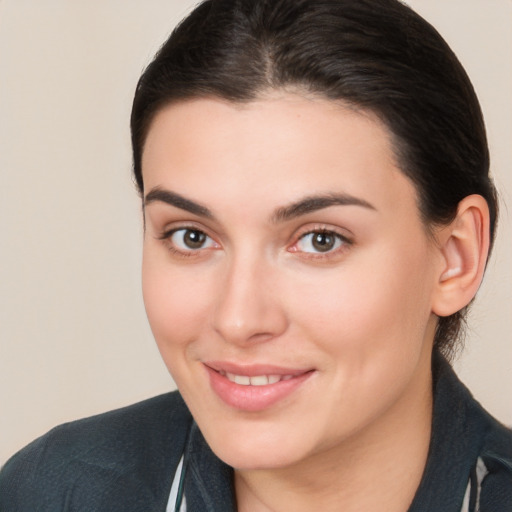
(287, 276)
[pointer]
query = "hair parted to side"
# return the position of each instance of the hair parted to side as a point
(376, 55)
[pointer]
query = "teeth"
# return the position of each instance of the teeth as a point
(240, 379)
(259, 380)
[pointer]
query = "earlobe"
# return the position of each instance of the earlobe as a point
(464, 246)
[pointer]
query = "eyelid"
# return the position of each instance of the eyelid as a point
(172, 227)
(343, 233)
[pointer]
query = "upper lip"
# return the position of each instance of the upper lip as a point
(254, 370)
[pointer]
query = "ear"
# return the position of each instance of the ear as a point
(464, 246)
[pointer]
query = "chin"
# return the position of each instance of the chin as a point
(252, 456)
(257, 446)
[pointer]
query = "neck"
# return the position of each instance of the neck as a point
(379, 468)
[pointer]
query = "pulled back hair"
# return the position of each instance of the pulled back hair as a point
(375, 55)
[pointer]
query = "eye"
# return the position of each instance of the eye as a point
(320, 242)
(187, 239)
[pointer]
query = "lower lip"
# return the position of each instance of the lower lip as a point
(253, 398)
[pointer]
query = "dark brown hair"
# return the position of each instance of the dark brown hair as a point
(377, 55)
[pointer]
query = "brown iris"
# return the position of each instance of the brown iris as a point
(323, 241)
(194, 239)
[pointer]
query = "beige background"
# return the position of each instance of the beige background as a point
(74, 338)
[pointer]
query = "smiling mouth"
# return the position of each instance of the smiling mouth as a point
(254, 388)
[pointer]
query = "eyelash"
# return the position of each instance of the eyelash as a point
(342, 243)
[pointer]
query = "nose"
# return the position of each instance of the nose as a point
(248, 308)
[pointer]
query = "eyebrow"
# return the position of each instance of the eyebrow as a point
(304, 206)
(168, 197)
(317, 202)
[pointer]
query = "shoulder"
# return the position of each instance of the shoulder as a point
(496, 466)
(495, 438)
(454, 403)
(136, 447)
(492, 473)
(467, 443)
(110, 437)
(498, 443)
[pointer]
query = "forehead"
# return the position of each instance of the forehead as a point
(272, 150)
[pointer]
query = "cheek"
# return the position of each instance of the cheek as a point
(380, 299)
(176, 304)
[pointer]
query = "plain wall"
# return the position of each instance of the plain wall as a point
(74, 337)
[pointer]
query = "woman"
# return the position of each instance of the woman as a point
(318, 215)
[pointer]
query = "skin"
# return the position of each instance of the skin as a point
(361, 316)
